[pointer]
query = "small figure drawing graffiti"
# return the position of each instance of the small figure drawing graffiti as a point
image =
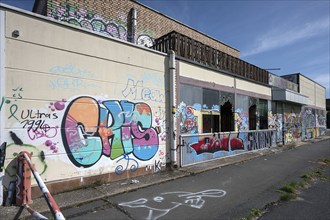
(112, 128)
(164, 203)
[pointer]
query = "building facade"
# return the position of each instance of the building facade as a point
(91, 106)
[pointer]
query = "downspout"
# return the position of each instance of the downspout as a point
(131, 25)
(172, 104)
(2, 100)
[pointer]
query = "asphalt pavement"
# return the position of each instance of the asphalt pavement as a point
(227, 188)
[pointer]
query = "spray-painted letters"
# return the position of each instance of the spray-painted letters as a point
(111, 128)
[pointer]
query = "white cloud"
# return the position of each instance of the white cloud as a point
(283, 36)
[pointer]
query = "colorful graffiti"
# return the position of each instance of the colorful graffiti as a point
(189, 122)
(198, 148)
(275, 122)
(160, 121)
(292, 127)
(73, 14)
(88, 19)
(111, 128)
(308, 124)
(321, 123)
(241, 120)
(216, 143)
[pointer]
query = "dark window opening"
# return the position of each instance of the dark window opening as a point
(263, 114)
(210, 123)
(227, 117)
(263, 122)
(253, 117)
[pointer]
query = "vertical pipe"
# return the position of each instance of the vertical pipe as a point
(172, 82)
(131, 26)
(2, 89)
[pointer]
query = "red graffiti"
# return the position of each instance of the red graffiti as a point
(211, 145)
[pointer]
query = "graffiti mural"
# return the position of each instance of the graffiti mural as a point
(111, 128)
(275, 122)
(197, 148)
(292, 127)
(82, 17)
(161, 205)
(218, 142)
(241, 120)
(189, 122)
(308, 124)
(86, 18)
(321, 123)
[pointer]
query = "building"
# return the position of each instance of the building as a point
(313, 114)
(97, 93)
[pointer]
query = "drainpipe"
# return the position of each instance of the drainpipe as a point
(172, 104)
(132, 26)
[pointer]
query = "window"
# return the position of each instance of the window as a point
(210, 123)
(210, 99)
(191, 95)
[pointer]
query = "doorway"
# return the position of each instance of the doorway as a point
(227, 117)
(253, 117)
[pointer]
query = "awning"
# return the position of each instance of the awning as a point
(286, 95)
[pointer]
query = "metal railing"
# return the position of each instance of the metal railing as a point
(198, 52)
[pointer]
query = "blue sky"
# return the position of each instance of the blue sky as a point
(293, 35)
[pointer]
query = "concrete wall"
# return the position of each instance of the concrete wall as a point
(87, 107)
(314, 91)
(199, 73)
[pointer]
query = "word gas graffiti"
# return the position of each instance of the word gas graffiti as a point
(164, 203)
(110, 128)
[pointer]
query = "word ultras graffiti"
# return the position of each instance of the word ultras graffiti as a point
(111, 128)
